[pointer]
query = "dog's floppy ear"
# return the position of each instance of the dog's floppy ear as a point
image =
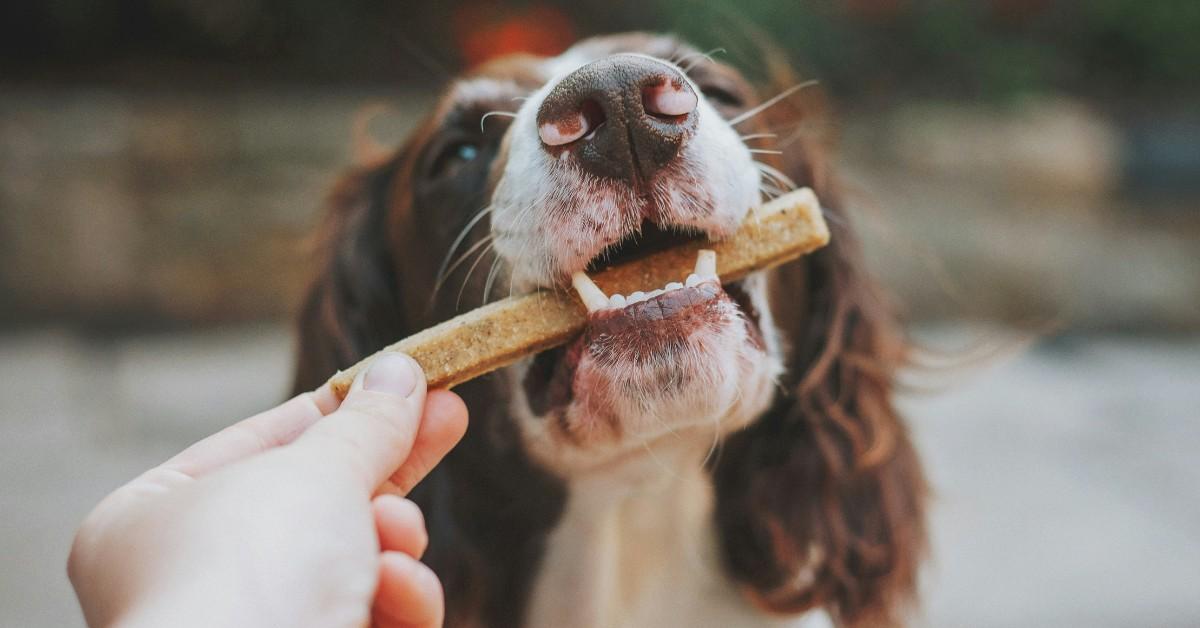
(820, 502)
(353, 307)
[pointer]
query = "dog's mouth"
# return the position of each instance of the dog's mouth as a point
(650, 238)
(650, 326)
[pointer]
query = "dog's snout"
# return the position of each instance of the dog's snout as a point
(622, 117)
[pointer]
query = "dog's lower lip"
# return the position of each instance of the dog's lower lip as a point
(652, 310)
(549, 380)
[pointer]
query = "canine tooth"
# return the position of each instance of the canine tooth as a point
(706, 263)
(692, 280)
(616, 300)
(591, 294)
(637, 297)
(674, 285)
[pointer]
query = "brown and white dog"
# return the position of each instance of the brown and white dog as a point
(737, 462)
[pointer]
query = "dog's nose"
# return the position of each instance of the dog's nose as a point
(622, 117)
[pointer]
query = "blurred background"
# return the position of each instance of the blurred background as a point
(1026, 175)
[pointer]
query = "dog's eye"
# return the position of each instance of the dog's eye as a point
(453, 157)
(721, 96)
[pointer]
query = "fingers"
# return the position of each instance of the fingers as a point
(444, 424)
(400, 525)
(373, 430)
(409, 594)
(325, 399)
(275, 427)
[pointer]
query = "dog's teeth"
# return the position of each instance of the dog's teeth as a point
(654, 293)
(616, 300)
(674, 285)
(706, 264)
(592, 296)
(637, 297)
(692, 280)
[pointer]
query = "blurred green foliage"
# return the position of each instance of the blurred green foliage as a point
(991, 49)
(987, 49)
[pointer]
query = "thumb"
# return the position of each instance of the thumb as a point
(373, 430)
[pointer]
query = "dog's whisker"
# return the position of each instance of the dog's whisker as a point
(773, 189)
(471, 271)
(502, 114)
(775, 174)
(486, 240)
(491, 276)
(811, 128)
(681, 57)
(458, 240)
(770, 102)
(774, 180)
(834, 217)
(769, 184)
(703, 56)
(521, 256)
(765, 151)
(757, 136)
(770, 191)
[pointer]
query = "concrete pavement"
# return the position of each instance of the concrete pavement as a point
(1066, 476)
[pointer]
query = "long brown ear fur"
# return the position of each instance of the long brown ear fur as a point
(820, 503)
(353, 305)
(488, 508)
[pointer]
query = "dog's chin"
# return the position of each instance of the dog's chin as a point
(687, 365)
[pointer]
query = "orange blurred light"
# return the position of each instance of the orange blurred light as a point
(485, 31)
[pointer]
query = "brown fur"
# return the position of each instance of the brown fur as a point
(828, 472)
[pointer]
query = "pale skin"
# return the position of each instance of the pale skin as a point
(293, 517)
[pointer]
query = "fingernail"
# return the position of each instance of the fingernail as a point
(391, 373)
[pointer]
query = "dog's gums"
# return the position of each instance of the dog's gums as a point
(594, 299)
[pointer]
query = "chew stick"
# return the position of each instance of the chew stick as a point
(500, 333)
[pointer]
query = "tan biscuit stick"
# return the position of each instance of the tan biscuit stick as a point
(500, 333)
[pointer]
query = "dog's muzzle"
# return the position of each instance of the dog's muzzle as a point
(624, 117)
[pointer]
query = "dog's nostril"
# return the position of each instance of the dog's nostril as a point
(668, 99)
(577, 124)
(563, 130)
(624, 117)
(593, 113)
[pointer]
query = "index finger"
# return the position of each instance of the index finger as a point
(266, 430)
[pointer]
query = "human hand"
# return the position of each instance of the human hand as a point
(293, 517)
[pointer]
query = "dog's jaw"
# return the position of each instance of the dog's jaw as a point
(718, 377)
(619, 389)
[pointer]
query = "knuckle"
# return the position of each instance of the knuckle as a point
(394, 411)
(387, 422)
(344, 448)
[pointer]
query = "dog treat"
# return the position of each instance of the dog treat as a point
(500, 333)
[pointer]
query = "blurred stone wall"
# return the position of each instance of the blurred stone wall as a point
(136, 208)
(1023, 213)
(160, 207)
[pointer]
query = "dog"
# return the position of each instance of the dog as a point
(738, 463)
